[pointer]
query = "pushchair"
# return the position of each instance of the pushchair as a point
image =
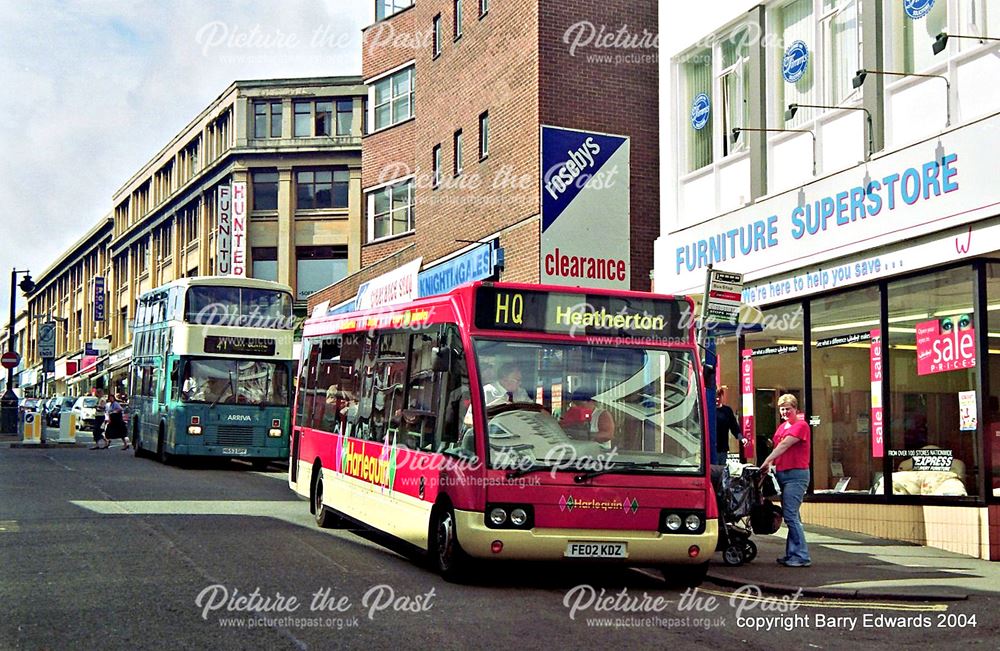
(743, 511)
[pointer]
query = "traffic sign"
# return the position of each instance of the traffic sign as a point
(10, 359)
(724, 295)
(47, 340)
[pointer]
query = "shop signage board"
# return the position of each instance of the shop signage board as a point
(239, 226)
(746, 388)
(941, 183)
(396, 286)
(224, 231)
(100, 295)
(584, 189)
(947, 344)
(877, 371)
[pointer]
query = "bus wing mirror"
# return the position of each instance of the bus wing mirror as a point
(442, 359)
(709, 376)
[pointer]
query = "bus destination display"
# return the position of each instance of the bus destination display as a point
(522, 310)
(239, 345)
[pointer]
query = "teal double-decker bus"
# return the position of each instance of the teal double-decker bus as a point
(212, 370)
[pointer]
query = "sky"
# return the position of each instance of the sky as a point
(92, 90)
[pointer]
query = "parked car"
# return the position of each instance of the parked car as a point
(28, 404)
(46, 406)
(54, 415)
(87, 412)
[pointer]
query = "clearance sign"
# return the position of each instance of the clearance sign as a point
(585, 209)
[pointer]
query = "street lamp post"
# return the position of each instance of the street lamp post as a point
(8, 404)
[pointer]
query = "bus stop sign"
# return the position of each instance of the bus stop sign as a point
(10, 359)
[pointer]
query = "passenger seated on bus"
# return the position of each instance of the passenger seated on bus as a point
(584, 419)
(507, 389)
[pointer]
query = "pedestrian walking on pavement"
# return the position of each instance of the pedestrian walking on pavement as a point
(100, 441)
(114, 417)
(790, 458)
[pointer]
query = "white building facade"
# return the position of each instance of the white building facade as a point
(840, 154)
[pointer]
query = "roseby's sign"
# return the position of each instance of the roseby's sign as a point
(947, 344)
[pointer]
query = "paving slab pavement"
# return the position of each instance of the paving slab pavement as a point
(850, 565)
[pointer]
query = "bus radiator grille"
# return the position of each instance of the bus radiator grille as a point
(230, 435)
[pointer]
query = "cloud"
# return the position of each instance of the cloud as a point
(92, 91)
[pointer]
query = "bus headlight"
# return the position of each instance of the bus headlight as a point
(692, 522)
(274, 432)
(194, 430)
(673, 522)
(518, 517)
(498, 516)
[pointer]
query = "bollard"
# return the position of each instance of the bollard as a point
(32, 424)
(67, 427)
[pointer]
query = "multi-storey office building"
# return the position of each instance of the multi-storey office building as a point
(65, 294)
(840, 154)
(296, 143)
(473, 108)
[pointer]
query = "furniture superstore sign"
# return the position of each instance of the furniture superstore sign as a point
(924, 188)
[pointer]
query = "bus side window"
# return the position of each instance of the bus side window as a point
(456, 430)
(423, 388)
(327, 386)
(175, 380)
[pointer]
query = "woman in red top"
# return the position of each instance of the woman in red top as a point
(790, 458)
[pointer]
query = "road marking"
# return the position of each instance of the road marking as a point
(9, 526)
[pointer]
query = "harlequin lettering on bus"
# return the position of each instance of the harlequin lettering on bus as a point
(357, 462)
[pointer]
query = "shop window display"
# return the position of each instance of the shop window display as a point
(934, 444)
(842, 328)
(991, 409)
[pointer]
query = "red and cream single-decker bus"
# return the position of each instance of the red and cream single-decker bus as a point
(509, 421)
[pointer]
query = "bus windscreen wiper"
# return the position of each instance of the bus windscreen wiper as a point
(622, 467)
(524, 470)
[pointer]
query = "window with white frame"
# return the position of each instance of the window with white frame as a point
(484, 134)
(975, 18)
(457, 141)
(392, 99)
(436, 166)
(458, 19)
(696, 77)
(734, 84)
(437, 35)
(484, 7)
(386, 8)
(794, 22)
(839, 29)
(391, 210)
(911, 39)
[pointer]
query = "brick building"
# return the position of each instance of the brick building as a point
(457, 93)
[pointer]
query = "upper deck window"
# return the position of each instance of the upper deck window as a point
(239, 306)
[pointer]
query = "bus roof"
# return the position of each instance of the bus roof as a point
(220, 281)
(457, 305)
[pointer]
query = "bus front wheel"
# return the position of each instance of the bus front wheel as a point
(447, 555)
(161, 448)
(324, 519)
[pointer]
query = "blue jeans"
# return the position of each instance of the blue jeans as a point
(793, 485)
